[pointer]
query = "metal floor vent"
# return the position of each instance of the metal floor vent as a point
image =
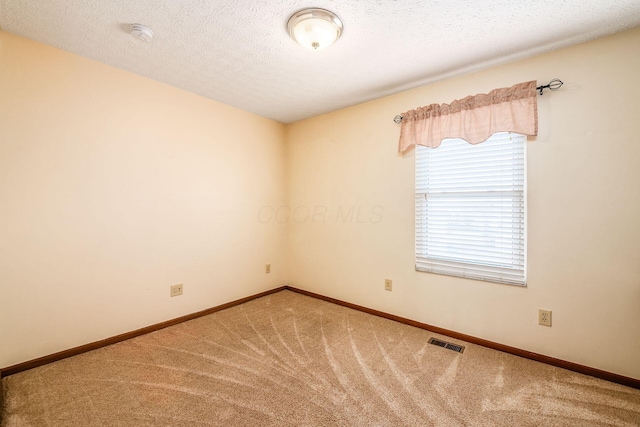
(450, 346)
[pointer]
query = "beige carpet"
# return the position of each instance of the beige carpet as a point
(292, 360)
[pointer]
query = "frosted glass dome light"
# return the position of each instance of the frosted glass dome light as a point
(315, 28)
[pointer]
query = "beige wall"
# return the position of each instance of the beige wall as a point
(583, 211)
(114, 187)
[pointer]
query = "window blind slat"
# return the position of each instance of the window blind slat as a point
(470, 209)
(512, 244)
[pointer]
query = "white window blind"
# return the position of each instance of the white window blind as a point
(471, 209)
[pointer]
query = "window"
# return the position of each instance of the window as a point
(471, 209)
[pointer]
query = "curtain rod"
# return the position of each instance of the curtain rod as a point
(553, 85)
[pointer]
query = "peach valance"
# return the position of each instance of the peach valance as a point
(474, 118)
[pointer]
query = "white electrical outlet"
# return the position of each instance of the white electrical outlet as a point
(544, 317)
(388, 285)
(176, 290)
(267, 268)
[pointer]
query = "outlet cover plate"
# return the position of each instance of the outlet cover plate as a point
(388, 284)
(544, 317)
(176, 290)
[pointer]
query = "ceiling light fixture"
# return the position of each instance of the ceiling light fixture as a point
(141, 32)
(315, 28)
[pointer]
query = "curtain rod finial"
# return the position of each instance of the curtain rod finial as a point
(397, 119)
(553, 85)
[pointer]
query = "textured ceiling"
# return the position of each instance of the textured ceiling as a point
(239, 52)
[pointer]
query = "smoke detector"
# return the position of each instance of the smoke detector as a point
(141, 32)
